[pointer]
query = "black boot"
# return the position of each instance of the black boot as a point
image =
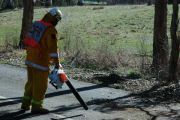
(26, 105)
(36, 109)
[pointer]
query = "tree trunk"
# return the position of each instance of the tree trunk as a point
(149, 2)
(174, 44)
(27, 19)
(160, 40)
(8, 4)
(48, 3)
(19, 3)
(67, 2)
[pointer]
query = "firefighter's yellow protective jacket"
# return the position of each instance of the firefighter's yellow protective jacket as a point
(41, 57)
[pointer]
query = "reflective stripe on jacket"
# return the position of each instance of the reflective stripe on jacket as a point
(54, 55)
(37, 66)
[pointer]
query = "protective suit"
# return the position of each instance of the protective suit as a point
(41, 47)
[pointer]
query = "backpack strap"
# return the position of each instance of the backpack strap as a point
(35, 34)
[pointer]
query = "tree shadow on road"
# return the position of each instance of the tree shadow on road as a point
(15, 115)
(158, 95)
(78, 89)
(7, 102)
(16, 100)
(136, 101)
(18, 115)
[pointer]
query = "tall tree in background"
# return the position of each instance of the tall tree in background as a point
(160, 39)
(8, 4)
(48, 3)
(28, 13)
(174, 43)
(68, 2)
(150, 2)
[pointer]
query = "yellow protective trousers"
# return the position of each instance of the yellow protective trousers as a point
(35, 87)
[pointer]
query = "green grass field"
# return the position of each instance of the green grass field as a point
(93, 28)
(119, 26)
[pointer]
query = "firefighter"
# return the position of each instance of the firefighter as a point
(41, 49)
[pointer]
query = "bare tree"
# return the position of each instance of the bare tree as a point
(68, 2)
(28, 13)
(174, 44)
(8, 4)
(160, 39)
(48, 3)
(150, 2)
